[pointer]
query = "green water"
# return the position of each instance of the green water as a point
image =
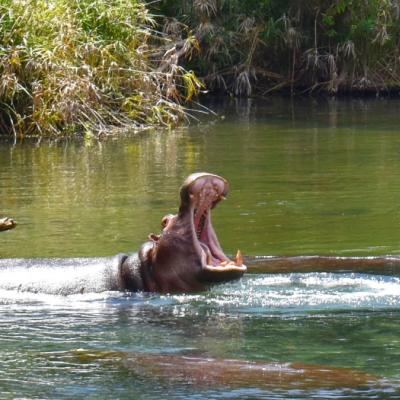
(307, 177)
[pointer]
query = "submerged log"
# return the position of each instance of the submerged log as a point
(7, 223)
(209, 371)
(389, 264)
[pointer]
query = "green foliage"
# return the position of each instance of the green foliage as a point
(70, 66)
(300, 45)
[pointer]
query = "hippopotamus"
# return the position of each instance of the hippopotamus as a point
(186, 256)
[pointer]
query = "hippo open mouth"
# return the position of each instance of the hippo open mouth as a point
(187, 256)
(204, 191)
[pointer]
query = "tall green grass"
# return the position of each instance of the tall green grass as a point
(86, 67)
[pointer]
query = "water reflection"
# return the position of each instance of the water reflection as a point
(43, 337)
(105, 197)
(307, 177)
(279, 319)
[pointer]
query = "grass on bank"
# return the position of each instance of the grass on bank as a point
(87, 67)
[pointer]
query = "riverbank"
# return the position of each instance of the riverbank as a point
(89, 69)
(261, 47)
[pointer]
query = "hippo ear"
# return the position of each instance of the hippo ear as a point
(146, 251)
(154, 237)
(146, 266)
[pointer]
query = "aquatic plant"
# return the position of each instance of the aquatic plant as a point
(87, 66)
(299, 46)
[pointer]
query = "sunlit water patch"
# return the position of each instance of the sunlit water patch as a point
(297, 292)
(280, 293)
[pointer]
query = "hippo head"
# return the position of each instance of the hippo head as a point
(187, 255)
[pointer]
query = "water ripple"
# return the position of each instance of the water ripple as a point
(262, 293)
(299, 292)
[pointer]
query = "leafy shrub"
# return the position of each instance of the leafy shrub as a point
(84, 66)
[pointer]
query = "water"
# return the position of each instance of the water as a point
(307, 177)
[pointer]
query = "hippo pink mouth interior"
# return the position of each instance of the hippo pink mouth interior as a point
(205, 193)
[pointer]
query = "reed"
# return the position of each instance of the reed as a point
(87, 67)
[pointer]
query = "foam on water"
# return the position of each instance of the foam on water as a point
(309, 291)
(87, 300)
(301, 292)
(296, 292)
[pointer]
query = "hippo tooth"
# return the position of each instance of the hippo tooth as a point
(239, 258)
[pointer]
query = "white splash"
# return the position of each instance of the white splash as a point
(309, 291)
(282, 293)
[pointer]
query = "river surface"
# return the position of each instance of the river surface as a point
(310, 176)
